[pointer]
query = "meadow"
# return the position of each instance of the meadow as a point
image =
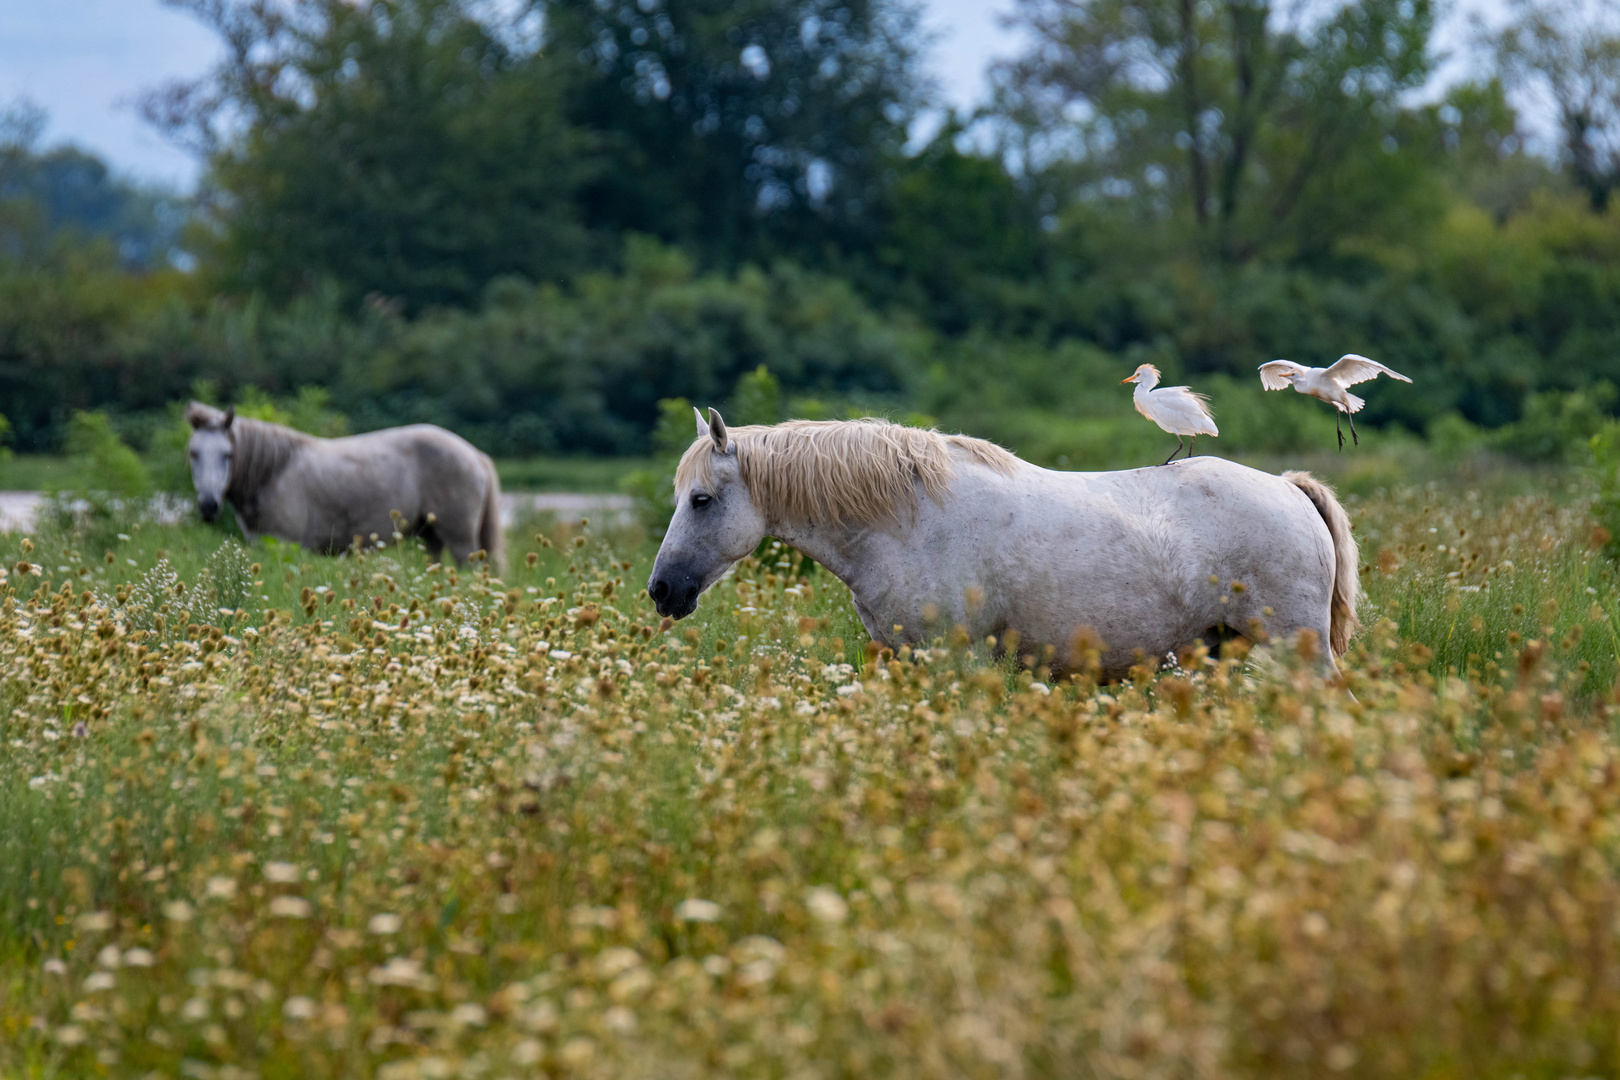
(265, 814)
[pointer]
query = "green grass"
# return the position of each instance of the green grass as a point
(40, 472)
(566, 473)
(447, 824)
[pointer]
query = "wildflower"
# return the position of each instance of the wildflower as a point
(94, 922)
(178, 911)
(283, 873)
(469, 1014)
(384, 923)
(826, 905)
(298, 1007)
(696, 910)
(290, 907)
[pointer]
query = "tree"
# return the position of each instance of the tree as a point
(403, 147)
(1570, 52)
(1263, 133)
(740, 129)
(960, 231)
(65, 196)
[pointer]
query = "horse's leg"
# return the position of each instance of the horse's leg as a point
(1352, 418)
(1180, 446)
(249, 537)
(458, 531)
(429, 535)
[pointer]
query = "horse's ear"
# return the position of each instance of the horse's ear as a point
(199, 415)
(703, 425)
(230, 415)
(717, 431)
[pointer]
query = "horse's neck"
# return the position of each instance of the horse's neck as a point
(260, 457)
(846, 551)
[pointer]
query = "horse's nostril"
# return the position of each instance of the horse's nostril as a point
(659, 591)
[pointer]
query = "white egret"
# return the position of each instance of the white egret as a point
(1176, 409)
(1328, 384)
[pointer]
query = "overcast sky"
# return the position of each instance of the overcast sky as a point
(84, 61)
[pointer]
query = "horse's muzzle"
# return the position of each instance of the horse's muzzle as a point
(208, 507)
(674, 595)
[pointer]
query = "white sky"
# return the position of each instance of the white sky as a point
(84, 61)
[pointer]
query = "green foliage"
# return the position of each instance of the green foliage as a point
(404, 147)
(653, 488)
(1224, 122)
(1605, 447)
(5, 437)
(52, 199)
(757, 398)
(744, 129)
(117, 469)
(1559, 428)
(431, 219)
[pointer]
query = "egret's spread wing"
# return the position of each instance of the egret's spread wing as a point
(1352, 369)
(1274, 376)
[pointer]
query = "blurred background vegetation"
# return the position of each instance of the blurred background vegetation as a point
(547, 226)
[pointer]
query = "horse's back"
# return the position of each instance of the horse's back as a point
(356, 484)
(1144, 556)
(1243, 505)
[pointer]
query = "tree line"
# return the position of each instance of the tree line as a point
(534, 222)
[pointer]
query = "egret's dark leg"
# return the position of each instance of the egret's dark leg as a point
(1353, 435)
(1338, 425)
(1179, 447)
(1192, 444)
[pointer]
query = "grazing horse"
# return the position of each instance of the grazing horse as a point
(325, 494)
(934, 531)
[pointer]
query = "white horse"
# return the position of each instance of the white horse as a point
(934, 531)
(326, 494)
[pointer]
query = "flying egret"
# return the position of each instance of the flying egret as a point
(1176, 409)
(1328, 384)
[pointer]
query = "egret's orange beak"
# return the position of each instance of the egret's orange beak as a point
(1128, 378)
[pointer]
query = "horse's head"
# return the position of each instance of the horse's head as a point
(715, 524)
(213, 444)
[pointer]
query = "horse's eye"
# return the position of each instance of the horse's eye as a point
(700, 500)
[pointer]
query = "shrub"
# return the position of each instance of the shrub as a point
(117, 469)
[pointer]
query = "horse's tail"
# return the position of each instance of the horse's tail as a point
(490, 535)
(1346, 571)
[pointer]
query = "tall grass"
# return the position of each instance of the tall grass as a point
(268, 814)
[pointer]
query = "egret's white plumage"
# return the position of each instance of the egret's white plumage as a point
(1328, 384)
(1176, 409)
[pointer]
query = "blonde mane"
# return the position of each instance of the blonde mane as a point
(837, 472)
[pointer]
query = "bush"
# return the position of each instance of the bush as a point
(1557, 428)
(117, 469)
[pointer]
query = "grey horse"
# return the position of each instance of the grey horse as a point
(934, 531)
(326, 494)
